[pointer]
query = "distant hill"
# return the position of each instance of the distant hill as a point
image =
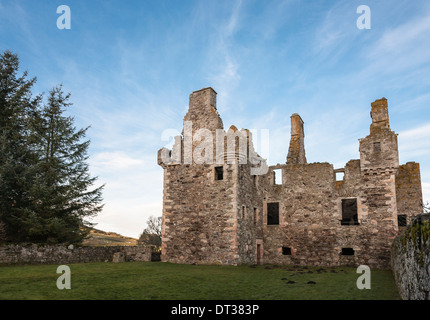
(102, 238)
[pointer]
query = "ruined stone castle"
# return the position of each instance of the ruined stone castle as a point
(228, 208)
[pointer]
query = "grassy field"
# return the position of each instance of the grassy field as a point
(165, 281)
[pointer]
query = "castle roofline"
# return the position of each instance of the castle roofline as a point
(203, 89)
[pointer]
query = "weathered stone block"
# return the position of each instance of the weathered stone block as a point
(118, 257)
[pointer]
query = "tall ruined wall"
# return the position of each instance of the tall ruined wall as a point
(380, 200)
(372, 236)
(410, 260)
(249, 213)
(379, 161)
(306, 214)
(310, 218)
(199, 215)
(358, 237)
(409, 191)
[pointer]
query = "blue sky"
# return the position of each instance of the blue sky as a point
(131, 65)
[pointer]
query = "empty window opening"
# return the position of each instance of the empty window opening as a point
(286, 251)
(273, 213)
(219, 173)
(277, 176)
(376, 146)
(340, 175)
(255, 215)
(349, 212)
(347, 251)
(243, 212)
(401, 220)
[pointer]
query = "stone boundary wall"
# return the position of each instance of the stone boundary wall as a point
(63, 254)
(410, 260)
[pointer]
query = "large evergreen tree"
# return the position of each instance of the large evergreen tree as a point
(44, 176)
(62, 199)
(16, 158)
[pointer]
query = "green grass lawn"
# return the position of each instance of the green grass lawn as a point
(166, 281)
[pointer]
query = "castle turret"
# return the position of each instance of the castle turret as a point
(379, 163)
(209, 197)
(379, 150)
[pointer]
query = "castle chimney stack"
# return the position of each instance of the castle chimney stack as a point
(202, 111)
(379, 115)
(296, 152)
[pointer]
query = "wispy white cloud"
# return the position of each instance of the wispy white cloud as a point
(328, 35)
(334, 34)
(417, 103)
(405, 38)
(225, 74)
(271, 19)
(232, 23)
(114, 161)
(401, 48)
(18, 18)
(415, 142)
(414, 146)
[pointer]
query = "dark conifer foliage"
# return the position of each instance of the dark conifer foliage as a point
(45, 184)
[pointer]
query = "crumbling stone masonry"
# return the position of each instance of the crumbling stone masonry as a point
(410, 260)
(227, 208)
(32, 253)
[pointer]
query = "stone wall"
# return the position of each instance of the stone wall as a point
(199, 215)
(306, 215)
(249, 218)
(410, 260)
(62, 254)
(408, 190)
(310, 215)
